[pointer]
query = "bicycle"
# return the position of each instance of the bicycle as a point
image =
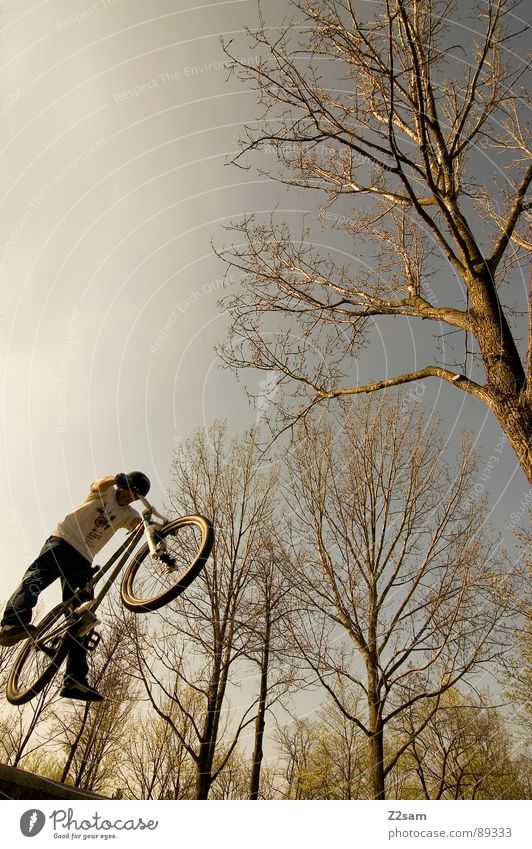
(173, 555)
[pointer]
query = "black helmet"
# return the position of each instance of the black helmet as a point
(138, 482)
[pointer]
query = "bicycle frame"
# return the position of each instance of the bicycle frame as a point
(86, 610)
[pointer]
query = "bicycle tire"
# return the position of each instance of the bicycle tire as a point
(34, 666)
(145, 587)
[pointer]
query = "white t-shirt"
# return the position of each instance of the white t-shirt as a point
(91, 525)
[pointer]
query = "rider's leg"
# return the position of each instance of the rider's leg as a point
(77, 667)
(75, 683)
(42, 572)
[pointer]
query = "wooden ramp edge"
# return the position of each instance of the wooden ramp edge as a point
(18, 784)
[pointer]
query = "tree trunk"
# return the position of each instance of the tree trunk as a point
(508, 395)
(74, 746)
(376, 739)
(206, 754)
(204, 774)
(376, 753)
(256, 762)
(208, 737)
(515, 418)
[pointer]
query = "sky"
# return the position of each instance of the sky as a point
(118, 119)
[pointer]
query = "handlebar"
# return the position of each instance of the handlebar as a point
(149, 508)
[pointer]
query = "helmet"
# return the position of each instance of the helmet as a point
(138, 482)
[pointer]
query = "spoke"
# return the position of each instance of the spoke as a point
(156, 576)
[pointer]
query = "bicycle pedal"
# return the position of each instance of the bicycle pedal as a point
(92, 640)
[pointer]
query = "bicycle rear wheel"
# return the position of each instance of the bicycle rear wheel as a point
(149, 583)
(39, 658)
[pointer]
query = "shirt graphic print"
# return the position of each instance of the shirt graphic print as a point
(92, 524)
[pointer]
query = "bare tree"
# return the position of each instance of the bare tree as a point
(295, 747)
(400, 593)
(155, 763)
(233, 781)
(325, 757)
(267, 645)
(464, 752)
(202, 642)
(25, 731)
(393, 112)
(517, 673)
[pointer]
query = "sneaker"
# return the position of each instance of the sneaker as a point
(11, 634)
(81, 690)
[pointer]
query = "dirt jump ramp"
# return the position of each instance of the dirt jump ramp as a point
(18, 784)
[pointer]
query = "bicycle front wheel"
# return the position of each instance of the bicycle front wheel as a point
(150, 583)
(39, 658)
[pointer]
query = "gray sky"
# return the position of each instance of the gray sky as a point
(116, 121)
(117, 118)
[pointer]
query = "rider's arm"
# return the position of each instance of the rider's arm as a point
(103, 484)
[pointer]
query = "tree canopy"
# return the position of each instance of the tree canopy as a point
(408, 118)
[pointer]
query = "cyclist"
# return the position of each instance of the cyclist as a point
(68, 554)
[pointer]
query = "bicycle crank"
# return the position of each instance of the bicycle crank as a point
(87, 619)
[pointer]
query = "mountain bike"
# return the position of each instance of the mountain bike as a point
(173, 554)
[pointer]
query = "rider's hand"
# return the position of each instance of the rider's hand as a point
(121, 481)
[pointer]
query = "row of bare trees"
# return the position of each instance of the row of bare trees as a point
(464, 751)
(357, 567)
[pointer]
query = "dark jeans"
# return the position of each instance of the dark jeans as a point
(57, 559)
